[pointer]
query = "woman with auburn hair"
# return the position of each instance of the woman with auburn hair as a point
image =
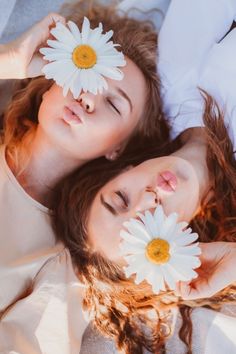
(91, 207)
(42, 142)
(203, 164)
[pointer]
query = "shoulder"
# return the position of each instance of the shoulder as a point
(58, 269)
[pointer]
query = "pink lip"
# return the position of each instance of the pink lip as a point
(167, 181)
(72, 113)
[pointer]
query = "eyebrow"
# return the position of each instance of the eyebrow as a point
(107, 206)
(124, 94)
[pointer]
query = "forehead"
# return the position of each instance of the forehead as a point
(104, 230)
(133, 83)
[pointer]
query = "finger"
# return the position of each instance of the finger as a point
(177, 289)
(34, 69)
(202, 288)
(186, 291)
(52, 18)
(41, 29)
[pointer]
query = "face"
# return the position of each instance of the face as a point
(94, 125)
(170, 181)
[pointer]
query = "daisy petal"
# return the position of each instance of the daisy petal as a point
(112, 73)
(132, 269)
(52, 69)
(168, 277)
(181, 273)
(85, 30)
(92, 81)
(57, 56)
(105, 38)
(64, 35)
(159, 217)
(186, 261)
(192, 250)
(127, 248)
(59, 45)
(150, 224)
(101, 83)
(75, 31)
(131, 238)
(69, 83)
(95, 36)
(138, 230)
(76, 85)
(64, 75)
(112, 60)
(186, 240)
(48, 50)
(168, 226)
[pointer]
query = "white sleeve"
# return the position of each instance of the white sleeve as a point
(221, 335)
(189, 30)
(153, 10)
(50, 318)
(219, 77)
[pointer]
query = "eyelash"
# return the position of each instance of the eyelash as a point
(113, 106)
(124, 198)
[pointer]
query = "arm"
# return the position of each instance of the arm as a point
(217, 271)
(190, 29)
(20, 59)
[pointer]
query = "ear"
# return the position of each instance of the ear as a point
(115, 153)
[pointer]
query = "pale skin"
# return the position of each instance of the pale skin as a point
(121, 198)
(60, 144)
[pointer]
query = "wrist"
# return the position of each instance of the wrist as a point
(9, 64)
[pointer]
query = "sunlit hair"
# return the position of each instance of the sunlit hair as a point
(121, 309)
(138, 41)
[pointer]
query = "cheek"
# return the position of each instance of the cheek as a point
(105, 135)
(186, 205)
(105, 239)
(53, 100)
(47, 108)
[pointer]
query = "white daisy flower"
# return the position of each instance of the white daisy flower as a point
(81, 60)
(159, 249)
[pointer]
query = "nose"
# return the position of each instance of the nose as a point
(87, 101)
(148, 199)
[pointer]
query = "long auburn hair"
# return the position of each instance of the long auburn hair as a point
(138, 41)
(120, 309)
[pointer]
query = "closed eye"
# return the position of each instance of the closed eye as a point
(113, 106)
(123, 197)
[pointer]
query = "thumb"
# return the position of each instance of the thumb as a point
(195, 290)
(35, 66)
(39, 33)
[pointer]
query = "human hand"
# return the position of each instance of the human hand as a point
(24, 60)
(217, 271)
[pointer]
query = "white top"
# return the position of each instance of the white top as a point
(193, 54)
(40, 295)
(26, 236)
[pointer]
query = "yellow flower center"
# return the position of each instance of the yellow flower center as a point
(157, 251)
(84, 56)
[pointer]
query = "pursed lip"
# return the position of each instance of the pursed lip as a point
(167, 181)
(73, 113)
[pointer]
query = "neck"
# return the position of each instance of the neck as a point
(194, 150)
(47, 164)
